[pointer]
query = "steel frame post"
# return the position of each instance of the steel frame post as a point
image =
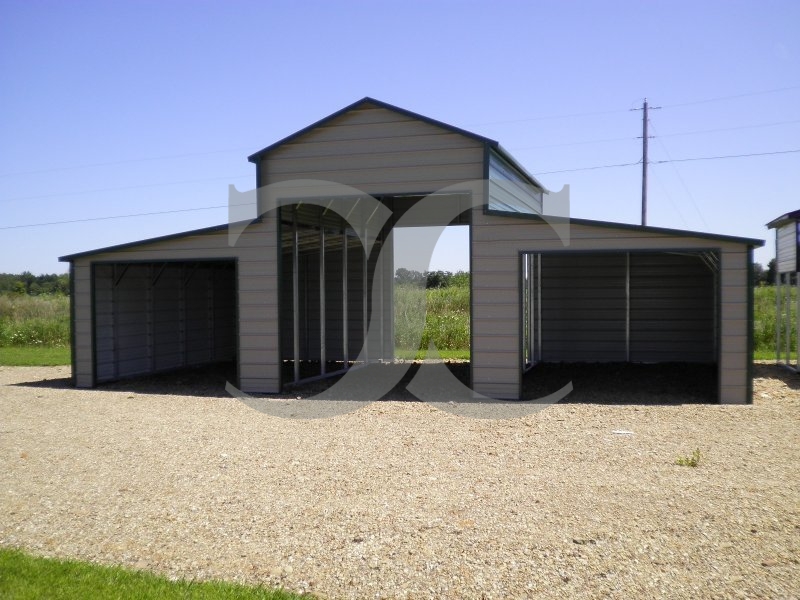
(296, 295)
(322, 323)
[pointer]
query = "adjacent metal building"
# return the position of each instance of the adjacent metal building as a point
(787, 276)
(298, 296)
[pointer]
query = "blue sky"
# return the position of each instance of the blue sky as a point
(128, 108)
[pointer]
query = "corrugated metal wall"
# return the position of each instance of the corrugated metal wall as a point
(786, 248)
(151, 317)
(497, 242)
(588, 315)
(583, 308)
(672, 308)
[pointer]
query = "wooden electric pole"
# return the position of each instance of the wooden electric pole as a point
(645, 137)
(644, 162)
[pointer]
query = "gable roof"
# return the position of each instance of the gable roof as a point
(783, 219)
(367, 101)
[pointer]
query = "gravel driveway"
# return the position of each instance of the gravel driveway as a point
(402, 500)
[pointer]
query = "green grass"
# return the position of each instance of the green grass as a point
(25, 577)
(34, 330)
(444, 321)
(764, 323)
(34, 356)
(34, 320)
(421, 354)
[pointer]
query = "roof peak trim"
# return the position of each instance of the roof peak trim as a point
(256, 156)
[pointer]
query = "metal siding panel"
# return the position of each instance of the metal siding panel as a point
(366, 155)
(583, 308)
(786, 253)
(672, 309)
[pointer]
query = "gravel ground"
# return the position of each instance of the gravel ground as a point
(402, 500)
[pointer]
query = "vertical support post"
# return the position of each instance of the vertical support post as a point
(345, 324)
(525, 285)
(151, 318)
(365, 296)
(534, 304)
(114, 320)
(322, 324)
(182, 316)
(539, 304)
(778, 324)
(787, 306)
(797, 319)
(627, 307)
(295, 295)
(382, 274)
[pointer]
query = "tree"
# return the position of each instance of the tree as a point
(759, 274)
(772, 268)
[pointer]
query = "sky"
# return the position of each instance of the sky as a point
(129, 108)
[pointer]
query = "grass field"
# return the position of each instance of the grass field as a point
(25, 577)
(34, 330)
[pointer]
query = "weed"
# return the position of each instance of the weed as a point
(690, 461)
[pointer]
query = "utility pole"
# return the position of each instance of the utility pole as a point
(645, 137)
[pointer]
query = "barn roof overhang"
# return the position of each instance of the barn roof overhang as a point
(752, 242)
(367, 101)
(784, 219)
(145, 242)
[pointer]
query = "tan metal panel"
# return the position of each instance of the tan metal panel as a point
(786, 259)
(378, 153)
(435, 140)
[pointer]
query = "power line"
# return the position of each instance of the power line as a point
(721, 98)
(148, 214)
(200, 208)
(735, 128)
(120, 162)
(630, 164)
(123, 188)
(548, 117)
(619, 139)
(658, 162)
(680, 178)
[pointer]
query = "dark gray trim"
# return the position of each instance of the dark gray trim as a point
(139, 261)
(783, 219)
(520, 329)
(237, 323)
(471, 307)
(718, 317)
(257, 156)
(94, 323)
(72, 345)
(628, 226)
(279, 261)
(750, 325)
(163, 238)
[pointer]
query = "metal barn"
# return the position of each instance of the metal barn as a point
(787, 276)
(306, 290)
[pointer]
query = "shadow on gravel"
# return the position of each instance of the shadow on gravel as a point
(769, 370)
(208, 381)
(594, 383)
(625, 383)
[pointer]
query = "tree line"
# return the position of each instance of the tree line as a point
(432, 279)
(36, 285)
(26, 283)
